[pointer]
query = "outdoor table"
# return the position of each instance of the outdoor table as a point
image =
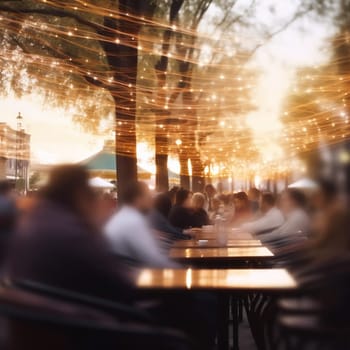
(222, 257)
(213, 243)
(233, 280)
(231, 235)
(223, 282)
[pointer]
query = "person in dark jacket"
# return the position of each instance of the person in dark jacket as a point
(159, 219)
(8, 216)
(181, 213)
(200, 216)
(58, 243)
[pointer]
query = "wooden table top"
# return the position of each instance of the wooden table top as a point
(221, 253)
(224, 279)
(212, 243)
(231, 235)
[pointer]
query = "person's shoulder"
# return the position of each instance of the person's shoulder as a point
(276, 211)
(156, 216)
(153, 215)
(126, 216)
(199, 213)
(175, 210)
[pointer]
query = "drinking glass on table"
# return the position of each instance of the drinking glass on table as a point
(221, 231)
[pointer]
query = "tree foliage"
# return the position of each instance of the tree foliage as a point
(175, 68)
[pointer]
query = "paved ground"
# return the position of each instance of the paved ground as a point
(246, 341)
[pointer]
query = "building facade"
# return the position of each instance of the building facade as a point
(14, 155)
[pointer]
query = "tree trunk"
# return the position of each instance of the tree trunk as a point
(184, 174)
(197, 183)
(126, 169)
(198, 180)
(126, 157)
(161, 67)
(162, 178)
(122, 55)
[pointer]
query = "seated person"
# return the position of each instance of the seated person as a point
(243, 211)
(57, 242)
(325, 268)
(209, 194)
(217, 208)
(271, 218)
(227, 208)
(297, 221)
(254, 199)
(200, 217)
(129, 233)
(172, 194)
(181, 213)
(107, 207)
(159, 218)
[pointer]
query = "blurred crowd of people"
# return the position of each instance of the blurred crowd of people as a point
(71, 236)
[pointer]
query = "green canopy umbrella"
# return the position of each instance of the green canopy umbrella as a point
(103, 164)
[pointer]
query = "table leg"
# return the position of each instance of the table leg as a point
(235, 321)
(224, 321)
(240, 310)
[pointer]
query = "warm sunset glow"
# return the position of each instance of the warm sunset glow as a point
(234, 104)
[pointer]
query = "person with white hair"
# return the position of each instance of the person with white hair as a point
(200, 216)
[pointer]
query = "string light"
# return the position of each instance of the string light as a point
(224, 87)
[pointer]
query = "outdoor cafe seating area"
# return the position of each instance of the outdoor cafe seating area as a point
(175, 175)
(252, 284)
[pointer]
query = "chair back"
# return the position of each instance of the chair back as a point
(120, 311)
(42, 323)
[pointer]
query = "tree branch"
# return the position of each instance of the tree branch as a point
(271, 35)
(63, 57)
(201, 10)
(237, 18)
(54, 13)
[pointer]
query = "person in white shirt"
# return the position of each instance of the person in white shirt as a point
(271, 218)
(129, 232)
(297, 224)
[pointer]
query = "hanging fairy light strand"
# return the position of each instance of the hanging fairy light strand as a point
(204, 107)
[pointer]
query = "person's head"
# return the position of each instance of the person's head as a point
(68, 186)
(210, 190)
(292, 199)
(136, 194)
(225, 199)
(183, 198)
(107, 206)
(267, 201)
(254, 194)
(198, 201)
(162, 203)
(172, 194)
(241, 201)
(326, 194)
